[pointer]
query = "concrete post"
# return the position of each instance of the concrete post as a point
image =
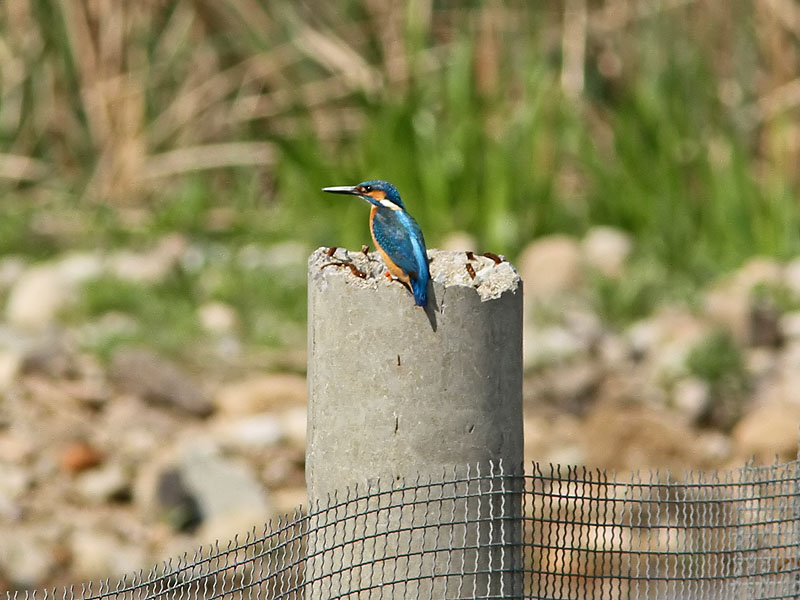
(396, 392)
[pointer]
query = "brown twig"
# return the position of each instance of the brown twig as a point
(353, 269)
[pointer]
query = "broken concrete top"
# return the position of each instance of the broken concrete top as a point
(491, 279)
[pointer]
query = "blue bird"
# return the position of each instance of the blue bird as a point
(396, 234)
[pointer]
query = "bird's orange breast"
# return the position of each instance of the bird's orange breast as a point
(390, 264)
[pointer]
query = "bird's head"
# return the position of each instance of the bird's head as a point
(377, 192)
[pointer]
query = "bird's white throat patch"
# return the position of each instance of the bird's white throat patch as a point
(389, 204)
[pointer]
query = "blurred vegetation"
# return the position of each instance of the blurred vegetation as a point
(718, 360)
(675, 121)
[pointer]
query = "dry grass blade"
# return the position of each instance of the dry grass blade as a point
(84, 56)
(782, 99)
(388, 19)
(175, 36)
(573, 44)
(251, 14)
(189, 104)
(787, 12)
(313, 94)
(330, 124)
(613, 17)
(339, 57)
(210, 156)
(21, 168)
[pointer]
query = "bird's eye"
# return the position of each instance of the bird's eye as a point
(366, 188)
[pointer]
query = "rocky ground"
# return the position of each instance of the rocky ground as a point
(110, 463)
(706, 386)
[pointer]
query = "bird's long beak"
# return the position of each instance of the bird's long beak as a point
(343, 189)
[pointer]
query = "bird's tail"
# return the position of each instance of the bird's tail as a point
(419, 287)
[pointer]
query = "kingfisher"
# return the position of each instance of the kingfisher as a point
(396, 234)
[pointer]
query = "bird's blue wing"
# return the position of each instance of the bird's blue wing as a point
(401, 238)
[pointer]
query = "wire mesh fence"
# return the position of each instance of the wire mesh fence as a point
(549, 532)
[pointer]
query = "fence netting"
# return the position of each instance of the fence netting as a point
(549, 532)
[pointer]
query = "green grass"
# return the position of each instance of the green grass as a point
(645, 286)
(262, 288)
(164, 313)
(718, 360)
(462, 108)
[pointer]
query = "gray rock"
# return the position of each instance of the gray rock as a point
(290, 499)
(194, 259)
(779, 384)
(729, 302)
(14, 482)
(553, 439)
(716, 447)
(642, 336)
(100, 554)
(725, 305)
(51, 355)
(789, 325)
(158, 380)
(227, 347)
(37, 297)
(11, 267)
(25, 558)
(614, 350)
(99, 485)
(573, 387)
(790, 357)
(628, 436)
(176, 503)
(217, 317)
(791, 277)
(764, 324)
(550, 266)
(757, 271)
(10, 363)
(550, 345)
(294, 423)
(151, 266)
(768, 431)
(257, 431)
(607, 250)
(760, 363)
(691, 397)
(585, 324)
(261, 393)
(79, 267)
(17, 446)
(666, 340)
(230, 499)
(220, 485)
